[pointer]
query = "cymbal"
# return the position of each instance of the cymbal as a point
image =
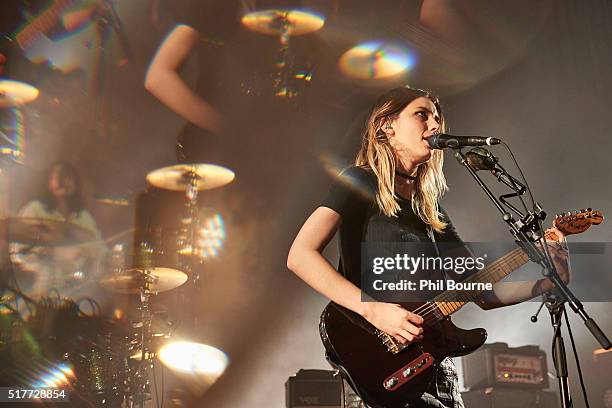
(15, 93)
(114, 201)
(273, 21)
(131, 281)
(45, 232)
(178, 177)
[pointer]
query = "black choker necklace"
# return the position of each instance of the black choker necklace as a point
(405, 176)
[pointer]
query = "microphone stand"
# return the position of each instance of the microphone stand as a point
(115, 22)
(526, 231)
(106, 18)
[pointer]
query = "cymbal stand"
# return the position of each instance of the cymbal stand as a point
(7, 271)
(189, 231)
(141, 391)
(281, 83)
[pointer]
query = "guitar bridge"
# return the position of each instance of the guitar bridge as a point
(393, 346)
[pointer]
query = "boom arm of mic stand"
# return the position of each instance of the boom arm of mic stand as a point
(536, 255)
(518, 234)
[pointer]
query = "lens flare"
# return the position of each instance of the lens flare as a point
(209, 239)
(376, 60)
(334, 165)
(12, 132)
(55, 377)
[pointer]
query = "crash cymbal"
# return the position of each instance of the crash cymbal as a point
(178, 177)
(275, 21)
(15, 93)
(131, 281)
(45, 232)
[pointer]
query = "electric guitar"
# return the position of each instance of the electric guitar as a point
(75, 49)
(388, 374)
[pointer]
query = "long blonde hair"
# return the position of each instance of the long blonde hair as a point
(377, 154)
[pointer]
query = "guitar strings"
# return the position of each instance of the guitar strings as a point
(504, 264)
(430, 307)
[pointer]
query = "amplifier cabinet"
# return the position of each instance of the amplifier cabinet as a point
(314, 388)
(496, 364)
(510, 398)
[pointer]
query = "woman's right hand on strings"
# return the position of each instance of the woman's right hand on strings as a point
(403, 325)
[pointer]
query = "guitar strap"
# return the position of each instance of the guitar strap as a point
(432, 238)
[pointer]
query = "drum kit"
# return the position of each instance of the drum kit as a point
(51, 340)
(105, 361)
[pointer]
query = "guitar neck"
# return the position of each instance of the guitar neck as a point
(42, 23)
(449, 302)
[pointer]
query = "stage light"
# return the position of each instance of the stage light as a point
(200, 361)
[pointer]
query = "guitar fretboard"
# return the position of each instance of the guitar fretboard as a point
(449, 302)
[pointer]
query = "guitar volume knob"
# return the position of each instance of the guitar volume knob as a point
(408, 372)
(390, 383)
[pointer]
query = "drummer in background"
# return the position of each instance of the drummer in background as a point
(66, 266)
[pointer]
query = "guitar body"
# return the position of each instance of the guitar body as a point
(353, 346)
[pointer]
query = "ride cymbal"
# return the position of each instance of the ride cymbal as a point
(181, 176)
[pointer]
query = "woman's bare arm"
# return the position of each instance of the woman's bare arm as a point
(165, 83)
(510, 293)
(306, 261)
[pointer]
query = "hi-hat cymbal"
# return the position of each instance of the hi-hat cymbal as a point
(180, 176)
(114, 201)
(132, 280)
(275, 22)
(15, 93)
(45, 232)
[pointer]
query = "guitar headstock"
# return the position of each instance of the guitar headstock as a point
(577, 222)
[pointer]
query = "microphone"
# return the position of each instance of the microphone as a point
(444, 141)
